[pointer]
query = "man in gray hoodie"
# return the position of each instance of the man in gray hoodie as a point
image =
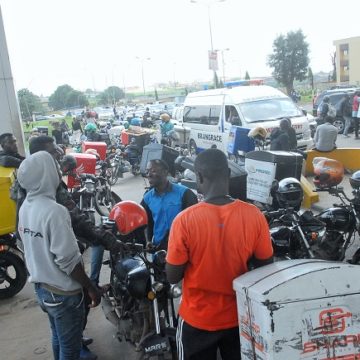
(52, 255)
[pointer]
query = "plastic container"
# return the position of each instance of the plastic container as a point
(288, 163)
(85, 164)
(7, 205)
(239, 140)
(265, 166)
(99, 146)
(299, 309)
(158, 151)
(237, 181)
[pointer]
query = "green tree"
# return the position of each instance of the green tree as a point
(290, 59)
(29, 103)
(76, 98)
(311, 78)
(111, 95)
(247, 76)
(58, 100)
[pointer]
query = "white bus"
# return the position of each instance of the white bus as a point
(210, 114)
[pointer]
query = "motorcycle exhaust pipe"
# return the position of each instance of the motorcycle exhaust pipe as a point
(108, 310)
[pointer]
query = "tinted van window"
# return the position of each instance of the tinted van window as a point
(202, 114)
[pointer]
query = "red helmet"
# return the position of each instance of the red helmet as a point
(328, 172)
(128, 216)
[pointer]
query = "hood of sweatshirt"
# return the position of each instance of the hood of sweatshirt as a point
(39, 175)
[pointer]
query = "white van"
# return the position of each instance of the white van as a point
(210, 114)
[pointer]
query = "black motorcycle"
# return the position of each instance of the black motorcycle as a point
(84, 195)
(140, 301)
(296, 236)
(117, 166)
(327, 235)
(133, 154)
(13, 273)
(343, 221)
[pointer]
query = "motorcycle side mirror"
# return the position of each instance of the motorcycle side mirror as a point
(160, 257)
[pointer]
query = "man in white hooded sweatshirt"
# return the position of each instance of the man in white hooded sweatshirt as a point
(52, 255)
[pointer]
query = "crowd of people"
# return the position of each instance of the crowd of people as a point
(201, 239)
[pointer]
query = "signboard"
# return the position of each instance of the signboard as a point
(213, 60)
(260, 177)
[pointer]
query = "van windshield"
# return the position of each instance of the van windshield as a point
(269, 109)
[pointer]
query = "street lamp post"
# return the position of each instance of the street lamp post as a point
(222, 60)
(142, 70)
(208, 4)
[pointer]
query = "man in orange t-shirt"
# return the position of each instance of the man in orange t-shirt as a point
(210, 245)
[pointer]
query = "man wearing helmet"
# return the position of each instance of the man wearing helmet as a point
(91, 132)
(163, 202)
(210, 244)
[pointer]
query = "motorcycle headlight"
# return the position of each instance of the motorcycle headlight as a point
(175, 291)
(89, 186)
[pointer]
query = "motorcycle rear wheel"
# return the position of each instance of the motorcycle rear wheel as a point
(13, 275)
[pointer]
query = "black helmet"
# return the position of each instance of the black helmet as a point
(289, 193)
(68, 164)
(355, 180)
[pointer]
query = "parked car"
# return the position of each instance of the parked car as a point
(335, 99)
(320, 97)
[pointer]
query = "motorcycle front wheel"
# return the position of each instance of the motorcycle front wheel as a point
(113, 177)
(13, 275)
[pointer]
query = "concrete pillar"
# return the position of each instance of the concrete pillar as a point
(10, 118)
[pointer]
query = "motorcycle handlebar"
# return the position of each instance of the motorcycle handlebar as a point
(277, 213)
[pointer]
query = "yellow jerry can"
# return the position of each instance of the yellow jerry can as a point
(7, 205)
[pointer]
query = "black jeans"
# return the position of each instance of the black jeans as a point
(356, 126)
(197, 344)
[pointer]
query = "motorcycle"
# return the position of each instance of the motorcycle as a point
(343, 220)
(84, 195)
(133, 153)
(140, 301)
(13, 273)
(296, 236)
(327, 235)
(117, 166)
(105, 198)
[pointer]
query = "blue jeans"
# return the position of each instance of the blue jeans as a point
(97, 253)
(66, 316)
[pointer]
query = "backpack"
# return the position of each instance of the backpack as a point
(332, 111)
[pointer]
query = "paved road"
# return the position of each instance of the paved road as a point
(24, 332)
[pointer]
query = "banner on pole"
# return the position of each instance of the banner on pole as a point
(213, 60)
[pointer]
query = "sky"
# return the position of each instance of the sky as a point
(95, 44)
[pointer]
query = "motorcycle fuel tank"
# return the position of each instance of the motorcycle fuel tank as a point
(133, 273)
(337, 218)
